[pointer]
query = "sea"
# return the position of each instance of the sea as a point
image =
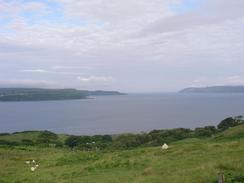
(132, 113)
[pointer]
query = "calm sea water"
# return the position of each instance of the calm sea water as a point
(116, 114)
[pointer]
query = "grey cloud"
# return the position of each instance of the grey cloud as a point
(213, 12)
(150, 48)
(43, 71)
(28, 83)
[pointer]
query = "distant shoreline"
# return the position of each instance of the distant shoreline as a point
(39, 94)
(214, 89)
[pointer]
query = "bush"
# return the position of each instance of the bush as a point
(8, 143)
(206, 131)
(102, 138)
(58, 143)
(72, 141)
(166, 136)
(126, 141)
(27, 142)
(4, 134)
(47, 137)
(227, 123)
(233, 177)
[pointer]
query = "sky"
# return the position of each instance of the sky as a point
(129, 45)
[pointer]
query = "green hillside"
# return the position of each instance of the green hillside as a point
(40, 94)
(214, 89)
(233, 133)
(191, 160)
(27, 135)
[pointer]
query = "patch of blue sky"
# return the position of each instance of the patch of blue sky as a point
(32, 17)
(4, 20)
(187, 5)
(53, 15)
(8, 31)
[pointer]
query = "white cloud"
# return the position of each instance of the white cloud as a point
(229, 80)
(95, 80)
(28, 83)
(35, 70)
(70, 67)
(143, 44)
(234, 80)
(50, 72)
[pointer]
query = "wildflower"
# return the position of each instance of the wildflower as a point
(33, 169)
(165, 146)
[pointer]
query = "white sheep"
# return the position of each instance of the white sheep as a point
(165, 146)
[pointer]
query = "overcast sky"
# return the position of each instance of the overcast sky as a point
(125, 45)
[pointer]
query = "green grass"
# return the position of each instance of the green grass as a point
(233, 133)
(187, 161)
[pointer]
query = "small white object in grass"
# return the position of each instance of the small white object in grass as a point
(165, 146)
(33, 169)
(37, 165)
(27, 162)
(33, 161)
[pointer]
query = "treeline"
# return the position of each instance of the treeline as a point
(126, 141)
(152, 138)
(45, 138)
(36, 94)
(39, 94)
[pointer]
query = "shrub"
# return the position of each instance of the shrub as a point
(102, 138)
(227, 123)
(8, 143)
(233, 177)
(46, 137)
(126, 141)
(72, 141)
(27, 142)
(4, 134)
(206, 131)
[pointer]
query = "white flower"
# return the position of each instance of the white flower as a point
(27, 162)
(165, 146)
(33, 169)
(33, 161)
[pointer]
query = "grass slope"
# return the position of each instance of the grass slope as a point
(187, 161)
(232, 133)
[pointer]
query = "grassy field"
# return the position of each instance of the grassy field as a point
(186, 161)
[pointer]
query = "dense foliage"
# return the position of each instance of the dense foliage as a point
(123, 141)
(230, 122)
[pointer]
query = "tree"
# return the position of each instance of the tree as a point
(226, 123)
(46, 137)
(72, 141)
(206, 131)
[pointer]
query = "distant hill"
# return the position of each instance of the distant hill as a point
(214, 89)
(39, 94)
